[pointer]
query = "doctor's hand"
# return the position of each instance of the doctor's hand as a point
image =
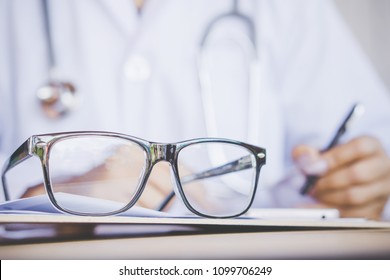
(353, 177)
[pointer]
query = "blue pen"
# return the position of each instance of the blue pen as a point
(356, 111)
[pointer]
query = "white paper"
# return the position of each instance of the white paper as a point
(42, 205)
(294, 214)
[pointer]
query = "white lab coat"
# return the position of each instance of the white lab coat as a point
(312, 72)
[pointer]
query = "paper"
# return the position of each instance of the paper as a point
(42, 205)
(293, 214)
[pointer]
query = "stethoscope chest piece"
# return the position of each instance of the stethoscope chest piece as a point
(57, 98)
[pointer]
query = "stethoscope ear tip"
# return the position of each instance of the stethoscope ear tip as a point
(57, 98)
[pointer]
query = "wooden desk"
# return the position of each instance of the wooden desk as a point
(259, 242)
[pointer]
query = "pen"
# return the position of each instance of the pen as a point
(356, 111)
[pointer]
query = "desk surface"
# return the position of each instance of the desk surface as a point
(155, 238)
(312, 244)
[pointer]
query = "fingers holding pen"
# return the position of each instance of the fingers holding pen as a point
(309, 160)
(348, 153)
(313, 162)
(356, 173)
(356, 162)
(353, 177)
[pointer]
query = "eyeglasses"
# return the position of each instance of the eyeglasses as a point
(215, 177)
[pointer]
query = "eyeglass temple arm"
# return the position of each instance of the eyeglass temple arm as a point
(234, 166)
(21, 154)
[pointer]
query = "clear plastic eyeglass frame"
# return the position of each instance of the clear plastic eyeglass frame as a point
(40, 145)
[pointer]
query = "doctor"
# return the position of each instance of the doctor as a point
(133, 67)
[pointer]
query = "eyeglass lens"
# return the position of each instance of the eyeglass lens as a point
(96, 168)
(228, 181)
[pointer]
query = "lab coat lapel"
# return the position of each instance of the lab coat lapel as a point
(122, 14)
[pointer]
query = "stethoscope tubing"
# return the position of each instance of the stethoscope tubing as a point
(48, 35)
(248, 44)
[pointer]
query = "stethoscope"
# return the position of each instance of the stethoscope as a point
(58, 97)
(247, 44)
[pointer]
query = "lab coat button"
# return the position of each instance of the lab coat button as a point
(137, 68)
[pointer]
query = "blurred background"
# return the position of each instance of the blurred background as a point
(370, 22)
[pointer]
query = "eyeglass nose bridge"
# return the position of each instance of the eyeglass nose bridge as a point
(162, 152)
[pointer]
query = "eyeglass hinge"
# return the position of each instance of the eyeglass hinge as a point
(39, 148)
(261, 155)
